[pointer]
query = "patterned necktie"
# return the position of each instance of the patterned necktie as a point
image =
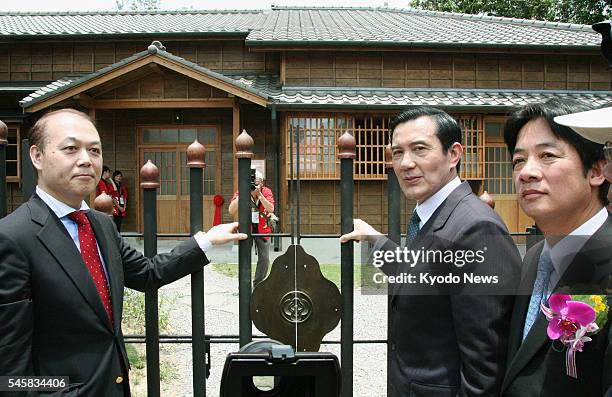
(413, 228)
(540, 287)
(89, 252)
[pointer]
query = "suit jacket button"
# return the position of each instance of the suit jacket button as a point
(119, 379)
(392, 346)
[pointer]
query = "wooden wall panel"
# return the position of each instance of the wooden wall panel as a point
(446, 70)
(34, 61)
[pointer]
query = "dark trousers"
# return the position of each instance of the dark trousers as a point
(118, 220)
(263, 259)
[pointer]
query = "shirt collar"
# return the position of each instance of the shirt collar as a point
(564, 251)
(426, 209)
(60, 209)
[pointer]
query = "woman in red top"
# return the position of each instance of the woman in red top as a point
(120, 199)
(106, 186)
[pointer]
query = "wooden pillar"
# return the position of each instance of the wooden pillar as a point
(92, 116)
(235, 133)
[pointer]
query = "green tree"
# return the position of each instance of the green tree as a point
(137, 5)
(573, 11)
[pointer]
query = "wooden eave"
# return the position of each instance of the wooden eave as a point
(134, 66)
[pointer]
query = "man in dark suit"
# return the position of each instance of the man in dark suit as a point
(449, 339)
(560, 184)
(63, 267)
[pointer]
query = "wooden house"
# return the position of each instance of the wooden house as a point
(295, 78)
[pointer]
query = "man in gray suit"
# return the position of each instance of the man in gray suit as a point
(63, 267)
(560, 184)
(448, 339)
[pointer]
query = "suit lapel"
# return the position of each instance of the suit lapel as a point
(55, 238)
(112, 268)
(523, 350)
(444, 211)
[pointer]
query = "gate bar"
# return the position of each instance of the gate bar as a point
(394, 233)
(3, 143)
(195, 161)
(149, 176)
(346, 154)
(244, 154)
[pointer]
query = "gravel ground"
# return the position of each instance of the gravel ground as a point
(221, 315)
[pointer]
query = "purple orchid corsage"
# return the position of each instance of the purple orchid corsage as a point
(571, 320)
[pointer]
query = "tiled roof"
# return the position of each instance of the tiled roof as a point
(384, 26)
(102, 23)
(398, 97)
(68, 82)
(328, 26)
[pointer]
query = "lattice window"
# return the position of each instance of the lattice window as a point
(498, 162)
(472, 165)
(371, 137)
(318, 134)
(317, 145)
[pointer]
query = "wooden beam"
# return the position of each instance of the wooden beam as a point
(89, 84)
(162, 103)
(120, 81)
(283, 72)
(140, 63)
(235, 133)
(210, 80)
(85, 101)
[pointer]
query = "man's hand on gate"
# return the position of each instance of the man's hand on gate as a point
(361, 232)
(224, 233)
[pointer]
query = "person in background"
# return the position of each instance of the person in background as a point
(105, 185)
(120, 198)
(262, 200)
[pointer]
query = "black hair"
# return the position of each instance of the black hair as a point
(448, 130)
(117, 172)
(105, 168)
(588, 151)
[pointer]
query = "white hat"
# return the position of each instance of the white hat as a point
(258, 175)
(595, 125)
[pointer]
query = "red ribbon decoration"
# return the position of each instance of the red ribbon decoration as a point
(218, 201)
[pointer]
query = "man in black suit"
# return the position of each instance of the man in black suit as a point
(446, 340)
(560, 184)
(63, 267)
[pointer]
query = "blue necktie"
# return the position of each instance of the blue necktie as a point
(540, 287)
(413, 228)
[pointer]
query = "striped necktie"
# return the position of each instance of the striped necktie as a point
(413, 228)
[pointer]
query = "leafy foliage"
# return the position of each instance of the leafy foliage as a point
(571, 11)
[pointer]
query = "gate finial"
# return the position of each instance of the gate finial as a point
(346, 146)
(104, 203)
(195, 155)
(149, 176)
(244, 146)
